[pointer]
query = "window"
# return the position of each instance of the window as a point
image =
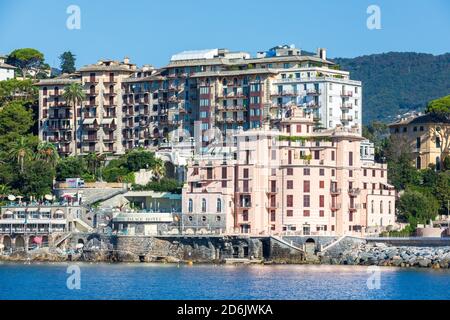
(272, 215)
(350, 158)
(306, 171)
(306, 186)
(372, 209)
(332, 155)
(438, 142)
(365, 172)
(290, 184)
(306, 213)
(245, 215)
(321, 184)
(350, 173)
(190, 218)
(321, 201)
(190, 205)
(374, 173)
(321, 213)
(290, 171)
(381, 206)
(306, 200)
(219, 205)
(289, 213)
(299, 128)
(321, 172)
(203, 218)
(290, 200)
(438, 163)
(203, 205)
(389, 208)
(316, 154)
(418, 142)
(418, 162)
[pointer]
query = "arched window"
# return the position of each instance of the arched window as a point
(190, 205)
(418, 162)
(203, 205)
(371, 207)
(381, 206)
(219, 205)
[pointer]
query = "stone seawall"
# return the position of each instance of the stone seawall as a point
(196, 249)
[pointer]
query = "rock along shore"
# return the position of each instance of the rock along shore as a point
(381, 254)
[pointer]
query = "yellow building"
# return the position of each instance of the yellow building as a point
(427, 135)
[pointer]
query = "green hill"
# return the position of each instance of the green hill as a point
(396, 82)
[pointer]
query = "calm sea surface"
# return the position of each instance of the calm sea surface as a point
(157, 281)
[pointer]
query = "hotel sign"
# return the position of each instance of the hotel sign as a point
(143, 217)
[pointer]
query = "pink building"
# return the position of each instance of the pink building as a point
(291, 179)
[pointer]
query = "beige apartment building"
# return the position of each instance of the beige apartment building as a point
(128, 107)
(96, 122)
(427, 136)
(289, 179)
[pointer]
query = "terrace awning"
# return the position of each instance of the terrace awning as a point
(89, 121)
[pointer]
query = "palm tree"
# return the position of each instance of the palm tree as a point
(4, 191)
(20, 151)
(47, 152)
(95, 161)
(159, 169)
(74, 95)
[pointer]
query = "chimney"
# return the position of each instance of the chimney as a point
(126, 60)
(322, 53)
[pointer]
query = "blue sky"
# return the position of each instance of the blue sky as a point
(151, 31)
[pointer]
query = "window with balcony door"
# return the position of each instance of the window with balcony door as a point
(306, 186)
(289, 200)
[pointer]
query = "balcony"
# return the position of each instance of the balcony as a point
(346, 94)
(110, 138)
(335, 206)
(110, 80)
(335, 191)
(89, 138)
(284, 93)
(313, 92)
(347, 106)
(61, 116)
(346, 118)
(91, 80)
(314, 105)
(354, 192)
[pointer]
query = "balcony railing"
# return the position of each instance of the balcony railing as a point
(345, 93)
(346, 118)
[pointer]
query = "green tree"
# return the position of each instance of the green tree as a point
(440, 107)
(37, 179)
(47, 152)
(139, 159)
(159, 169)
(26, 59)
(74, 95)
(18, 90)
(4, 191)
(416, 207)
(20, 151)
(401, 172)
(67, 62)
(95, 162)
(70, 167)
(14, 117)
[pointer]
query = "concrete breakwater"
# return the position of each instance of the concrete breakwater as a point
(382, 254)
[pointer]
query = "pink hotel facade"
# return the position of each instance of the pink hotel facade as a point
(288, 179)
